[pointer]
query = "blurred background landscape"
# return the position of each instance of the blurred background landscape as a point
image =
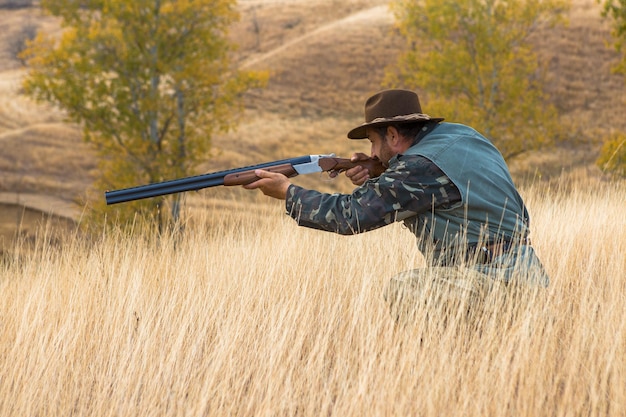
(319, 55)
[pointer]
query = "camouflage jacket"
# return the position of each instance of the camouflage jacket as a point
(411, 185)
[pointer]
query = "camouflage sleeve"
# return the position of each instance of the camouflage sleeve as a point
(411, 185)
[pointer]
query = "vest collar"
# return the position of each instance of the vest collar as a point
(426, 129)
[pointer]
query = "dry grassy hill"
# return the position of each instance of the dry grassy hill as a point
(319, 55)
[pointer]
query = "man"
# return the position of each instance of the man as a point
(446, 182)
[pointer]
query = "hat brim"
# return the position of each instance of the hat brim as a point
(360, 132)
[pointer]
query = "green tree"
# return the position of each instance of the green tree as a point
(149, 81)
(475, 64)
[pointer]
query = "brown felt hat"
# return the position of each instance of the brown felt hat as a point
(391, 107)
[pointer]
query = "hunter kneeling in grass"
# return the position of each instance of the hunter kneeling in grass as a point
(449, 185)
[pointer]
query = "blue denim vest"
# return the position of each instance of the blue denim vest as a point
(491, 209)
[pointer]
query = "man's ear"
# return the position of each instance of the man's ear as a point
(393, 135)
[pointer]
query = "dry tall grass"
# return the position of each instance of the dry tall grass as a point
(255, 316)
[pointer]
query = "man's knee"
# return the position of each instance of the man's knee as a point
(445, 289)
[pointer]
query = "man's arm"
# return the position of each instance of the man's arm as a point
(411, 185)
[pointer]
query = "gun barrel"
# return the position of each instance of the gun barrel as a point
(163, 188)
(196, 182)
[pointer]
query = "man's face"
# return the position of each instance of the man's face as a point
(380, 147)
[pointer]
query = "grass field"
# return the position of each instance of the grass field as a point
(253, 316)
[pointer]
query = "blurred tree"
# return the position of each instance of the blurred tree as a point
(474, 64)
(612, 157)
(613, 153)
(616, 10)
(149, 81)
(17, 43)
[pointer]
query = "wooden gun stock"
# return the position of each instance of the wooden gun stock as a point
(373, 165)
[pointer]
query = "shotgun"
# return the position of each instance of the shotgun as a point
(245, 175)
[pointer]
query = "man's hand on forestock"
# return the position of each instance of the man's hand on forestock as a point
(272, 184)
(358, 175)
